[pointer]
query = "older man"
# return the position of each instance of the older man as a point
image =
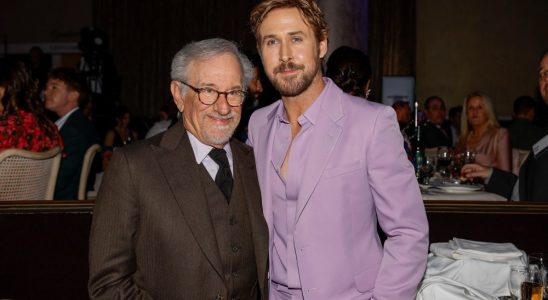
(330, 166)
(178, 216)
(531, 184)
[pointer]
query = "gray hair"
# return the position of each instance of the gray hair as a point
(206, 49)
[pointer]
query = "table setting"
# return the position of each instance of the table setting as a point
(440, 179)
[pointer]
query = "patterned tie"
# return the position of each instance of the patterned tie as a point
(224, 177)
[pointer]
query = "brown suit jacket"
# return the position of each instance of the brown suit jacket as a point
(152, 235)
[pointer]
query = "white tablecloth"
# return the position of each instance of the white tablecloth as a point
(479, 195)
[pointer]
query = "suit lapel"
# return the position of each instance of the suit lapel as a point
(244, 162)
(322, 143)
(176, 158)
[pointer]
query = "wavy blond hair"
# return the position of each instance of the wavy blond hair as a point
(492, 123)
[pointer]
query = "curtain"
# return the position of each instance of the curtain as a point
(391, 40)
(144, 36)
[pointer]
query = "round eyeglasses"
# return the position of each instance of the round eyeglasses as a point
(209, 96)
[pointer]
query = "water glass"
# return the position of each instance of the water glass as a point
(539, 262)
(518, 274)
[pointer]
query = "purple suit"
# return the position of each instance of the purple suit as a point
(356, 173)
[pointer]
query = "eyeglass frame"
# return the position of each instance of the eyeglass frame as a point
(219, 93)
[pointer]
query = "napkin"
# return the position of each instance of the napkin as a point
(484, 250)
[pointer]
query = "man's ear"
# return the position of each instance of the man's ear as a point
(323, 46)
(73, 96)
(177, 97)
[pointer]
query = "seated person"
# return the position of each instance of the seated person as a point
(350, 70)
(162, 124)
(434, 132)
(120, 135)
(523, 132)
(65, 91)
(23, 123)
(531, 185)
(403, 114)
(481, 133)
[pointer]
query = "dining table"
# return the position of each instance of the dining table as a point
(448, 191)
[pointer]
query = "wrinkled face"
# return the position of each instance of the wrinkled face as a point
(475, 111)
(289, 50)
(435, 112)
(543, 78)
(211, 124)
(58, 97)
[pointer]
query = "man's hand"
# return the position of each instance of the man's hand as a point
(475, 170)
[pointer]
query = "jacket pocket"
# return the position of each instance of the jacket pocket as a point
(343, 169)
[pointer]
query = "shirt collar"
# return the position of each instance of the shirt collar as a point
(201, 150)
(311, 114)
(61, 121)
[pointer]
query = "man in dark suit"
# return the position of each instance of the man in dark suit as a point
(65, 91)
(179, 215)
(435, 132)
(531, 184)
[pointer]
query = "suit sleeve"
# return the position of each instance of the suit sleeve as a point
(400, 211)
(502, 183)
(113, 233)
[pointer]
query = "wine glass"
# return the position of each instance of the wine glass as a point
(444, 160)
(426, 170)
(468, 156)
(518, 274)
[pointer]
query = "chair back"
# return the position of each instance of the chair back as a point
(26, 175)
(86, 167)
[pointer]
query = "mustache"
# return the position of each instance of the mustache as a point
(230, 115)
(288, 65)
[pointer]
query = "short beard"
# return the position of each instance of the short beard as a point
(225, 132)
(293, 86)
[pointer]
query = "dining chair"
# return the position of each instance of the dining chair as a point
(27, 175)
(86, 167)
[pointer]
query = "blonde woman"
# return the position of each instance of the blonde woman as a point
(481, 133)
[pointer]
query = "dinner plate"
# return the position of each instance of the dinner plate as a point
(459, 188)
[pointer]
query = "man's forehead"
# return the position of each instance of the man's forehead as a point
(56, 81)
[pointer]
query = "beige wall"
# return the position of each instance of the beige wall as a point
(470, 45)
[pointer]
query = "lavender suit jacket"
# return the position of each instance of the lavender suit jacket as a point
(357, 172)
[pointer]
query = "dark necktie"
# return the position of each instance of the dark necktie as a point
(224, 177)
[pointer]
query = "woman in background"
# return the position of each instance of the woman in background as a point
(23, 123)
(118, 136)
(481, 133)
(350, 70)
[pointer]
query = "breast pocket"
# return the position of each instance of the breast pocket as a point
(344, 168)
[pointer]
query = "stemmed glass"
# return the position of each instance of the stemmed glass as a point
(426, 170)
(444, 160)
